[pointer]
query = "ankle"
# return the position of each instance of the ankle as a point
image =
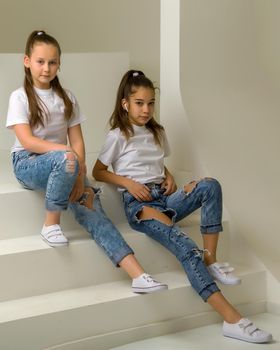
(233, 319)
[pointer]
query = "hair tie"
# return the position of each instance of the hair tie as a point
(135, 74)
(40, 33)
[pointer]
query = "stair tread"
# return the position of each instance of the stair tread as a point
(90, 295)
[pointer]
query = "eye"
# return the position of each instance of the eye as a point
(139, 103)
(152, 103)
(53, 63)
(40, 61)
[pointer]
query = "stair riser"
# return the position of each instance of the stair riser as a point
(117, 316)
(79, 264)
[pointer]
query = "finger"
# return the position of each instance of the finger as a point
(167, 190)
(147, 188)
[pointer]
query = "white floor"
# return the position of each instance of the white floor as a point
(209, 337)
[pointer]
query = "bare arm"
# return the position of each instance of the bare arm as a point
(139, 191)
(77, 145)
(34, 144)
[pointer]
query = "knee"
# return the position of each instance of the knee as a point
(71, 162)
(212, 185)
(67, 158)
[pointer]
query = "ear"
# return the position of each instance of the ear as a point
(124, 104)
(26, 61)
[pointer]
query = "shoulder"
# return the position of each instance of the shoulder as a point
(19, 94)
(71, 96)
(115, 134)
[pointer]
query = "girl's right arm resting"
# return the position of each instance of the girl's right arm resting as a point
(139, 191)
(101, 173)
(35, 144)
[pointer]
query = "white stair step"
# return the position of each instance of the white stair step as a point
(210, 338)
(72, 315)
(36, 268)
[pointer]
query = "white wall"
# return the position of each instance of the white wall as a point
(87, 26)
(230, 81)
(94, 81)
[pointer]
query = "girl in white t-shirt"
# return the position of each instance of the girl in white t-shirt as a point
(44, 118)
(135, 147)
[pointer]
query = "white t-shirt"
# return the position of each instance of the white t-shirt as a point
(56, 127)
(138, 158)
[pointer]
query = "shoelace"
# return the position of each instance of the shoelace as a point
(149, 278)
(199, 253)
(224, 268)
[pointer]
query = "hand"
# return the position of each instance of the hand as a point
(87, 199)
(139, 191)
(190, 186)
(169, 185)
(78, 189)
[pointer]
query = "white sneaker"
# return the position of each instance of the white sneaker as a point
(53, 236)
(247, 331)
(146, 284)
(222, 273)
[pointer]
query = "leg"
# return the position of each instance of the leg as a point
(93, 218)
(159, 226)
(52, 218)
(131, 266)
(224, 308)
(207, 195)
(210, 243)
(234, 325)
(55, 173)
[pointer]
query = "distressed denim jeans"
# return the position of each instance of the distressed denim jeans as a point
(49, 172)
(101, 229)
(207, 195)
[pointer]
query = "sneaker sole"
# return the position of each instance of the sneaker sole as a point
(249, 340)
(148, 290)
(54, 244)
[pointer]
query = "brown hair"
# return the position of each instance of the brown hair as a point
(36, 105)
(131, 81)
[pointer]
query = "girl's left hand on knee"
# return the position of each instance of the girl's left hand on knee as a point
(87, 199)
(190, 186)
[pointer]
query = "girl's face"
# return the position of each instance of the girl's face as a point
(43, 64)
(140, 106)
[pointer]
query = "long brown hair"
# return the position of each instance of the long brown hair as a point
(36, 105)
(131, 81)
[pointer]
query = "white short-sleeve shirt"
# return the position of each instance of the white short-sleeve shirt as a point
(56, 127)
(138, 158)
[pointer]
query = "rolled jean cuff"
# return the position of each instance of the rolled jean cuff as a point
(120, 255)
(56, 207)
(208, 291)
(211, 229)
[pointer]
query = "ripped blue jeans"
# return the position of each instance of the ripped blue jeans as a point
(207, 195)
(54, 174)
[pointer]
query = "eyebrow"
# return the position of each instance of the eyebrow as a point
(140, 99)
(52, 59)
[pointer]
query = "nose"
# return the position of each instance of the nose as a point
(146, 108)
(46, 67)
